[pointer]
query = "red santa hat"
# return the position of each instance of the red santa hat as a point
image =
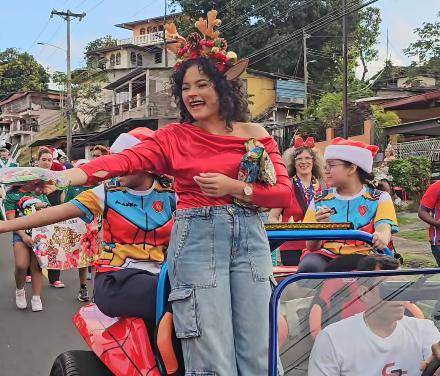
(356, 152)
(130, 139)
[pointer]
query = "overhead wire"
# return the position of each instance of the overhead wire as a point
(322, 21)
(310, 28)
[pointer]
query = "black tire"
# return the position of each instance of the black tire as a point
(79, 363)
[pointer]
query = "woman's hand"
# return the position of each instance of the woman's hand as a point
(28, 240)
(214, 184)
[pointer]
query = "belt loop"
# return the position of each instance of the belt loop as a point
(206, 211)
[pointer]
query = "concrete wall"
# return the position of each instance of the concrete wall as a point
(366, 137)
(262, 93)
(424, 81)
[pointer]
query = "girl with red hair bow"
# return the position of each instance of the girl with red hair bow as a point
(305, 169)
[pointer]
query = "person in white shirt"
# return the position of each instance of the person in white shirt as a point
(381, 341)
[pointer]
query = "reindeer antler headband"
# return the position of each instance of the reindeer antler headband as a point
(207, 44)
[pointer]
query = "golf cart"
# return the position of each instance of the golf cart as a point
(121, 346)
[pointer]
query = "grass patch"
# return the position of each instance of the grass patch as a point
(403, 220)
(416, 261)
(417, 235)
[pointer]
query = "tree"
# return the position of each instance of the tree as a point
(427, 47)
(366, 36)
(384, 118)
(250, 25)
(412, 174)
(21, 72)
(93, 60)
(89, 110)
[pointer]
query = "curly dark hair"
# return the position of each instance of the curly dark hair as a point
(231, 94)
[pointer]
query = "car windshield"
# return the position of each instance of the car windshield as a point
(347, 325)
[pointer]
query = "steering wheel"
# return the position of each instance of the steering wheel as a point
(431, 367)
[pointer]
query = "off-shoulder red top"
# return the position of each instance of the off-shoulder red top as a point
(184, 151)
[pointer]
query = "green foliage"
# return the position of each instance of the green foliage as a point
(21, 72)
(384, 118)
(412, 174)
(329, 109)
(427, 47)
(250, 25)
(87, 97)
(92, 59)
(366, 36)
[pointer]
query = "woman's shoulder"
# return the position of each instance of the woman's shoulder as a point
(251, 130)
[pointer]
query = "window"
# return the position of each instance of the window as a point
(112, 60)
(142, 31)
(154, 29)
(139, 60)
(158, 57)
(148, 30)
(133, 58)
(161, 28)
(118, 58)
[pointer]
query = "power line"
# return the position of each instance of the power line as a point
(313, 26)
(32, 45)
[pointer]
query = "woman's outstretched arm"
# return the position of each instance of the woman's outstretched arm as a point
(41, 218)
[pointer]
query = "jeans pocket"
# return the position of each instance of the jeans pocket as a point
(184, 312)
(258, 250)
(180, 234)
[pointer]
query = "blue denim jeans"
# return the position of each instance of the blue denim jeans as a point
(436, 253)
(219, 268)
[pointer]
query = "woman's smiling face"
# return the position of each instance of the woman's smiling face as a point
(199, 95)
(304, 163)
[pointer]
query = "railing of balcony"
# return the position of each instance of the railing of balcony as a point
(152, 38)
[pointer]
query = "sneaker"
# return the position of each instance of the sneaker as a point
(36, 304)
(58, 284)
(83, 295)
(28, 279)
(20, 299)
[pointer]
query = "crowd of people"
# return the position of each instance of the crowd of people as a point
(210, 230)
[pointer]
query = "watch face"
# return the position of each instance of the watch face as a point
(248, 190)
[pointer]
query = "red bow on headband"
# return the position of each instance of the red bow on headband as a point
(300, 143)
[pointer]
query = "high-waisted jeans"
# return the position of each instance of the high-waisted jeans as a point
(219, 268)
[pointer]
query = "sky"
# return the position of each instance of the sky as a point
(24, 23)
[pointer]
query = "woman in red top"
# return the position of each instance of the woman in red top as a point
(219, 258)
(305, 168)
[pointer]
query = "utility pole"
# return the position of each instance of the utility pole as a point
(306, 72)
(165, 35)
(344, 71)
(67, 17)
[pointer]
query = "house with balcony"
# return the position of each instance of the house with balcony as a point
(24, 114)
(144, 48)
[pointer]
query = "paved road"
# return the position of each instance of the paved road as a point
(29, 342)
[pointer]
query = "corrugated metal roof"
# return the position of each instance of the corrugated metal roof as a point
(289, 90)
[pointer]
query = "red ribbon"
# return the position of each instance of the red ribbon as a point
(300, 143)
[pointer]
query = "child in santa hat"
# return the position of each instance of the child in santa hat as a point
(351, 198)
(137, 221)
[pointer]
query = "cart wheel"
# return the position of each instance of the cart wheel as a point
(78, 363)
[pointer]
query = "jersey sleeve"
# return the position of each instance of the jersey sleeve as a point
(150, 155)
(10, 203)
(386, 212)
(279, 195)
(323, 359)
(430, 197)
(90, 202)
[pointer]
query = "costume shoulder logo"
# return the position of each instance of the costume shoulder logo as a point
(158, 206)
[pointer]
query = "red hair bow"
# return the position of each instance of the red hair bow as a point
(300, 143)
